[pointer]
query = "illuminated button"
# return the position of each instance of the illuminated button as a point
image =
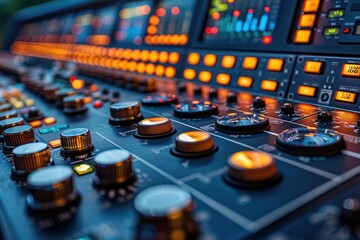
(275, 64)
(228, 61)
(170, 72)
(348, 97)
(29, 102)
(252, 167)
(269, 85)
(194, 142)
(210, 60)
(205, 76)
(245, 82)
(174, 58)
(307, 91)
(78, 84)
(18, 104)
(35, 124)
(154, 126)
(55, 143)
(250, 63)
(351, 70)
(98, 104)
(82, 169)
(189, 74)
(302, 36)
(314, 67)
(49, 120)
(194, 58)
(160, 70)
(163, 57)
(311, 6)
(307, 20)
(223, 78)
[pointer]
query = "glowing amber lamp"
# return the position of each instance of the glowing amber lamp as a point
(210, 60)
(250, 63)
(314, 67)
(194, 58)
(228, 61)
(223, 78)
(194, 142)
(307, 91)
(245, 82)
(348, 97)
(189, 74)
(275, 64)
(205, 76)
(269, 85)
(78, 84)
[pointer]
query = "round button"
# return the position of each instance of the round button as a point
(287, 109)
(8, 114)
(113, 167)
(74, 104)
(194, 144)
(251, 168)
(123, 113)
(5, 107)
(10, 122)
(75, 142)
(166, 209)
(154, 126)
(51, 188)
(195, 109)
(29, 157)
(18, 135)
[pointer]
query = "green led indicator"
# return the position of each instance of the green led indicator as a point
(331, 31)
(336, 13)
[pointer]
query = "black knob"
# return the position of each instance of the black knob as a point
(76, 142)
(231, 97)
(125, 113)
(287, 109)
(8, 114)
(181, 87)
(10, 122)
(350, 211)
(197, 90)
(213, 93)
(51, 190)
(165, 210)
(113, 168)
(358, 124)
(16, 136)
(324, 117)
(5, 107)
(50, 91)
(259, 102)
(33, 114)
(74, 104)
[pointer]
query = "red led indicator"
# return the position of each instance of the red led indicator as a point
(175, 11)
(161, 12)
(267, 40)
(347, 30)
(98, 104)
(266, 9)
(236, 13)
(251, 10)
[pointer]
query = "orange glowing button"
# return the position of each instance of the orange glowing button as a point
(55, 143)
(269, 85)
(78, 84)
(351, 70)
(314, 67)
(170, 72)
(150, 68)
(228, 61)
(194, 58)
(174, 58)
(205, 76)
(302, 36)
(223, 78)
(250, 63)
(144, 55)
(275, 64)
(35, 124)
(311, 6)
(307, 91)
(348, 97)
(245, 82)
(307, 20)
(87, 100)
(159, 70)
(49, 120)
(194, 142)
(163, 57)
(210, 60)
(189, 74)
(154, 56)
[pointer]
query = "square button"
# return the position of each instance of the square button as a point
(83, 168)
(311, 6)
(210, 60)
(307, 91)
(314, 67)
(55, 143)
(228, 61)
(275, 64)
(307, 20)
(245, 82)
(223, 78)
(302, 36)
(189, 74)
(269, 85)
(205, 76)
(194, 58)
(250, 63)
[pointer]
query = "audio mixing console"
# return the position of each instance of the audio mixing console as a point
(164, 119)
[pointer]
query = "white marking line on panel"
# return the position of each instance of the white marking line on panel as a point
(351, 154)
(271, 133)
(228, 213)
(291, 162)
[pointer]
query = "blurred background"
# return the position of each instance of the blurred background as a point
(8, 8)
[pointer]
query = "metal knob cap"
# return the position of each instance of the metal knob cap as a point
(154, 126)
(18, 135)
(75, 142)
(74, 104)
(8, 114)
(123, 113)
(5, 107)
(10, 122)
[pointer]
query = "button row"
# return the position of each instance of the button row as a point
(317, 67)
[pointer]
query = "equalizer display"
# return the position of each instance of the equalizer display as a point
(241, 20)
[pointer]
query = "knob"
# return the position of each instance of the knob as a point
(51, 190)
(231, 97)
(350, 211)
(251, 169)
(50, 91)
(113, 168)
(156, 126)
(8, 114)
(125, 113)
(258, 103)
(324, 117)
(33, 114)
(287, 109)
(3, 101)
(10, 122)
(76, 142)
(16, 136)
(74, 104)
(165, 209)
(358, 125)
(29, 157)
(5, 107)
(61, 94)
(194, 144)
(213, 93)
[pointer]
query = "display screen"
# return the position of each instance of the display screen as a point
(244, 21)
(132, 22)
(170, 25)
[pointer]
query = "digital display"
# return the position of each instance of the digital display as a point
(170, 25)
(346, 96)
(331, 31)
(336, 13)
(132, 22)
(245, 21)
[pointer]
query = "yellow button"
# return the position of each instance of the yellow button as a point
(307, 91)
(314, 67)
(29, 102)
(275, 64)
(311, 5)
(160, 70)
(307, 20)
(55, 143)
(174, 58)
(228, 61)
(205, 76)
(210, 60)
(35, 124)
(194, 58)
(269, 85)
(163, 57)
(83, 168)
(189, 74)
(346, 96)
(302, 36)
(150, 68)
(351, 70)
(170, 72)
(223, 78)
(245, 82)
(250, 63)
(18, 104)
(49, 120)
